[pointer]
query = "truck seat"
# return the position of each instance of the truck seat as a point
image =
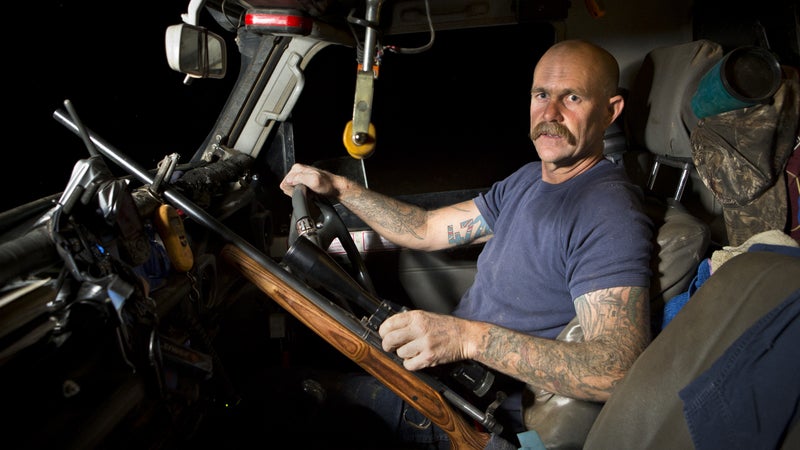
(645, 411)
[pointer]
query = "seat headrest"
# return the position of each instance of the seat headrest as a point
(660, 116)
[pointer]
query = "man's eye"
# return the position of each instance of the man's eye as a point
(539, 95)
(574, 98)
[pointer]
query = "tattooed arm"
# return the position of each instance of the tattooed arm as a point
(615, 324)
(402, 223)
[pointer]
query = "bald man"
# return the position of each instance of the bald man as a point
(564, 236)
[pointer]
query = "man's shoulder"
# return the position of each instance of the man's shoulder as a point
(608, 179)
(609, 196)
(605, 169)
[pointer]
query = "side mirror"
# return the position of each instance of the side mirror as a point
(195, 51)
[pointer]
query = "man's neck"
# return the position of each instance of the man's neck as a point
(554, 174)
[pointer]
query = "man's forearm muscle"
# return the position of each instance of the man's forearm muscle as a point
(386, 215)
(412, 226)
(401, 223)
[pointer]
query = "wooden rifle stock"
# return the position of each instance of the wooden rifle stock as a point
(423, 397)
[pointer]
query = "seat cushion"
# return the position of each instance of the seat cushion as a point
(680, 243)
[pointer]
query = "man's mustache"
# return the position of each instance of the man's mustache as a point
(553, 129)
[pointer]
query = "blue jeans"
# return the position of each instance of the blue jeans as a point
(408, 424)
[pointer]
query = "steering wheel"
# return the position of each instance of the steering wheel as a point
(315, 218)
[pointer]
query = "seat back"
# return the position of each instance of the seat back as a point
(660, 120)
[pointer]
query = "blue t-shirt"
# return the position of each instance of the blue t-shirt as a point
(555, 242)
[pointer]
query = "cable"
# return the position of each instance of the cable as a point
(352, 20)
(426, 47)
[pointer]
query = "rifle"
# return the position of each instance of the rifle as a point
(362, 349)
(340, 329)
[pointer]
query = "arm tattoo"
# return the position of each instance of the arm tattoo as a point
(394, 216)
(615, 325)
(606, 309)
(472, 228)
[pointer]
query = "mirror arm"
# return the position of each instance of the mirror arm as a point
(192, 15)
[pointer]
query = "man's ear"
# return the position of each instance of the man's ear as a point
(615, 106)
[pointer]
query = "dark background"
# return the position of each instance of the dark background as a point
(108, 59)
(436, 112)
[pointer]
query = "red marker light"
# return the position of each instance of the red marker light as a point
(278, 22)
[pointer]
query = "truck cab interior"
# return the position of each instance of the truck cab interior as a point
(427, 102)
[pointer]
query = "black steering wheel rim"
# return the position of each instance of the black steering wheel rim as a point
(314, 217)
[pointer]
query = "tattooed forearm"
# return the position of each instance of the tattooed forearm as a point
(386, 214)
(616, 329)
